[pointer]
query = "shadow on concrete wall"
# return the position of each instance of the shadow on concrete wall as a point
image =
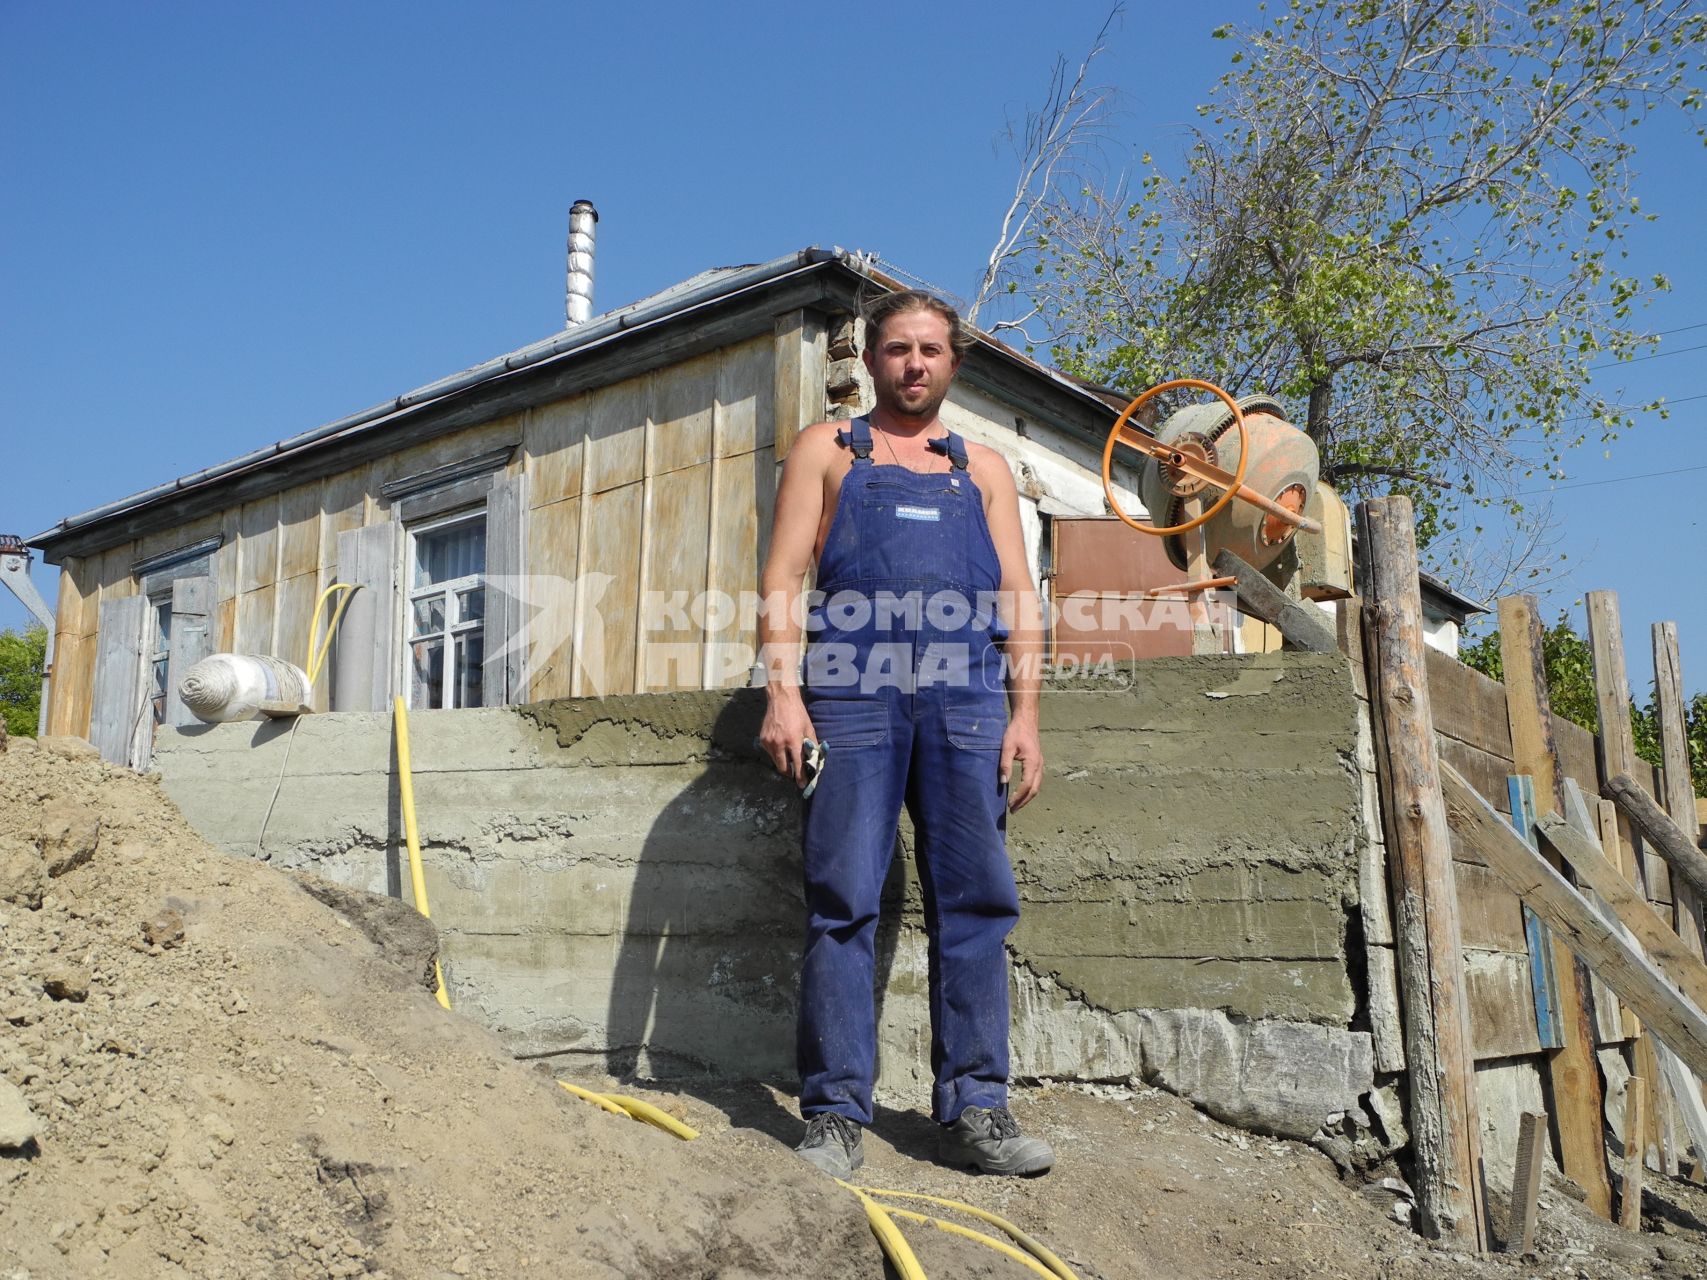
(706, 985)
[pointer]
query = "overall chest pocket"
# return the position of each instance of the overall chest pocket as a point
(914, 531)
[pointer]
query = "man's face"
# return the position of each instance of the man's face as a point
(911, 364)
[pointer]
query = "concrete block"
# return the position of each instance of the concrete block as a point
(1284, 1078)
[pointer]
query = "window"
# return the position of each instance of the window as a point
(159, 654)
(447, 612)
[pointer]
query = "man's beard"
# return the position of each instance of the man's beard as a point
(925, 409)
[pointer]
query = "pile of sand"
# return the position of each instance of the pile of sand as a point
(226, 1076)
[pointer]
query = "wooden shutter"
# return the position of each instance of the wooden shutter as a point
(119, 703)
(504, 679)
(191, 639)
(363, 657)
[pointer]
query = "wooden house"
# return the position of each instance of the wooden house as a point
(541, 525)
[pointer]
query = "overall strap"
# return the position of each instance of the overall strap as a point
(857, 437)
(953, 446)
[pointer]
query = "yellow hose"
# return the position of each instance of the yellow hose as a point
(990, 1242)
(889, 1236)
(597, 1099)
(317, 653)
(406, 793)
(1031, 1246)
(646, 1112)
(634, 1109)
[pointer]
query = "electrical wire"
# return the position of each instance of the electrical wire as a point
(1590, 484)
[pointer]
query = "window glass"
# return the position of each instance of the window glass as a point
(447, 639)
(450, 551)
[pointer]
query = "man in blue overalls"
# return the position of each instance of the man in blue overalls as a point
(922, 587)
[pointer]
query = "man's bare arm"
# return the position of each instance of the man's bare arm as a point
(794, 535)
(1023, 617)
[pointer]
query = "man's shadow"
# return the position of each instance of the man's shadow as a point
(705, 992)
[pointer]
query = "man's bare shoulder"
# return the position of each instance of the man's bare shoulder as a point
(990, 469)
(817, 444)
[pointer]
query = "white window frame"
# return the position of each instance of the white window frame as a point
(158, 658)
(448, 590)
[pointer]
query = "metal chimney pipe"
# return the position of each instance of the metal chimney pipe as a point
(579, 302)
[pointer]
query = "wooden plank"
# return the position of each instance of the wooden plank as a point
(800, 366)
(343, 506)
(299, 530)
(1662, 946)
(119, 701)
(1544, 982)
(191, 639)
(1502, 1010)
(1386, 1027)
(1605, 815)
(616, 435)
(745, 413)
(1630, 1185)
(364, 652)
(1445, 1126)
(257, 615)
(1663, 1010)
(1664, 836)
(1529, 713)
(683, 405)
(258, 546)
(1572, 1071)
(1617, 750)
(1490, 916)
(553, 437)
(745, 495)
(1470, 707)
(1303, 627)
(673, 649)
(609, 604)
(554, 534)
(1484, 771)
(1612, 702)
(1526, 1181)
(1577, 758)
(295, 599)
(504, 673)
(1676, 787)
(1685, 1092)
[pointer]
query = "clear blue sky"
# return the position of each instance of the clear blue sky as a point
(224, 224)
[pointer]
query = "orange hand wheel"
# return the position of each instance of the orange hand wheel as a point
(1184, 460)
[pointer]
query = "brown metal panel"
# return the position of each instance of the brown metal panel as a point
(1099, 563)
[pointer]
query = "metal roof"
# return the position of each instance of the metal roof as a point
(707, 287)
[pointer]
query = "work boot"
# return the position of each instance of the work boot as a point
(988, 1139)
(833, 1143)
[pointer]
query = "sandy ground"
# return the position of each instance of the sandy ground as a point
(228, 1076)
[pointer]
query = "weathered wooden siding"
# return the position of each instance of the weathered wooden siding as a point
(649, 504)
(665, 482)
(1474, 736)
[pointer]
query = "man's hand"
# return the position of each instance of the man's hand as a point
(1021, 743)
(786, 726)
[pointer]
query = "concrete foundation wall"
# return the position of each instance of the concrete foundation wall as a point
(618, 878)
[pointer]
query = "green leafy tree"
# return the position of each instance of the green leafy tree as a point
(22, 656)
(1569, 663)
(1404, 218)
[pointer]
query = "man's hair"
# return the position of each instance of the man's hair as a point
(878, 310)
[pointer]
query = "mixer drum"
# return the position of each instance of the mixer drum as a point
(1284, 466)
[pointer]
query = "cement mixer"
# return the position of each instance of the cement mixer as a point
(1235, 471)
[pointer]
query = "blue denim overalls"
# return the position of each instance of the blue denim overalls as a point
(904, 684)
